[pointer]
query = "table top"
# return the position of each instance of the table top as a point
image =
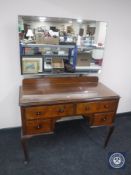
(52, 90)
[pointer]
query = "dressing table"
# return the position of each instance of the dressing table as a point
(62, 47)
(45, 100)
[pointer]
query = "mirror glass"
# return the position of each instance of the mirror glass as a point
(50, 45)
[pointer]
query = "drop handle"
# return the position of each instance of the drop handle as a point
(39, 126)
(104, 118)
(61, 110)
(38, 113)
(87, 108)
(106, 106)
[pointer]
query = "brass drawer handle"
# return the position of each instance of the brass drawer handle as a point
(87, 108)
(38, 113)
(61, 110)
(39, 126)
(104, 119)
(106, 106)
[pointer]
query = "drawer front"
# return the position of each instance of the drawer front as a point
(99, 106)
(102, 119)
(38, 126)
(106, 106)
(83, 108)
(44, 112)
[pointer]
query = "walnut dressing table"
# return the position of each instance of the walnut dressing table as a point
(45, 100)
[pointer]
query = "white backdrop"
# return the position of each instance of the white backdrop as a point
(116, 72)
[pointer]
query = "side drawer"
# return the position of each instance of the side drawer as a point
(39, 126)
(44, 112)
(101, 119)
(98, 106)
(105, 106)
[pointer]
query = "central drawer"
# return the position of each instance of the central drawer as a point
(98, 106)
(43, 112)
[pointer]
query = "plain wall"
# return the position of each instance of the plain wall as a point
(116, 72)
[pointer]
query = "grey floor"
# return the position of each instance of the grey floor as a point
(74, 149)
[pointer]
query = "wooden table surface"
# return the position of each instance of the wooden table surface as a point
(58, 90)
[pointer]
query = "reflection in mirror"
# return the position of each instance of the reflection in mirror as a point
(51, 45)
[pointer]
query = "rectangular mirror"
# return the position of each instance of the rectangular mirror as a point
(50, 45)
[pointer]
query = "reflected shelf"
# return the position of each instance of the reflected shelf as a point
(48, 46)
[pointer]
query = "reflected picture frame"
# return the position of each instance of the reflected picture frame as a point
(31, 65)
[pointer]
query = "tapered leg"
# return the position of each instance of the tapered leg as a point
(111, 129)
(24, 146)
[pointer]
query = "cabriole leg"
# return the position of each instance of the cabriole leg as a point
(111, 129)
(24, 146)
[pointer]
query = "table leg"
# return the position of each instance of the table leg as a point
(111, 129)
(24, 146)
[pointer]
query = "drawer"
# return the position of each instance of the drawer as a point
(105, 106)
(99, 106)
(44, 112)
(83, 108)
(102, 119)
(38, 126)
